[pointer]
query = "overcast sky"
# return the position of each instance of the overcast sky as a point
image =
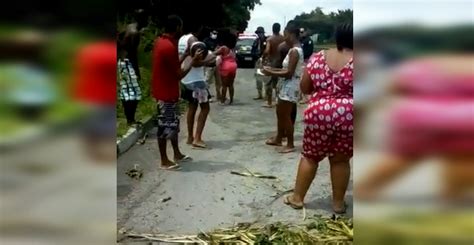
(272, 11)
(367, 13)
(372, 13)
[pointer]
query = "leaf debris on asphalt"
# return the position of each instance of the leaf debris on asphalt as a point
(135, 172)
(317, 230)
(256, 175)
(165, 199)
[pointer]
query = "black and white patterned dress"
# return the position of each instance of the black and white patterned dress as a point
(129, 88)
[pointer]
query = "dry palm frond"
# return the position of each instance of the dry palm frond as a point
(316, 230)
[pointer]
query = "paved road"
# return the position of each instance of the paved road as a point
(204, 195)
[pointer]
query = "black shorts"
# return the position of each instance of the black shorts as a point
(187, 94)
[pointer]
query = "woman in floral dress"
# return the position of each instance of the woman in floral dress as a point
(328, 119)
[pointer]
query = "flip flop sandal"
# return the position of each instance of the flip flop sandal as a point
(171, 167)
(199, 146)
(285, 150)
(267, 106)
(271, 141)
(342, 211)
(287, 201)
(184, 159)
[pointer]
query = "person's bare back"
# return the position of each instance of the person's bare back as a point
(336, 60)
(273, 42)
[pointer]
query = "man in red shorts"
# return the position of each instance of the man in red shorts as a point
(166, 75)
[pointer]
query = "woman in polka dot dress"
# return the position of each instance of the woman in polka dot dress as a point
(328, 119)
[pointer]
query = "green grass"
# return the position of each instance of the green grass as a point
(146, 107)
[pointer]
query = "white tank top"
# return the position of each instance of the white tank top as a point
(299, 66)
(195, 74)
(183, 43)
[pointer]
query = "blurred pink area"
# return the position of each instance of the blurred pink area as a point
(433, 114)
(414, 144)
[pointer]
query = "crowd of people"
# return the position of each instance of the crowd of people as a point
(184, 65)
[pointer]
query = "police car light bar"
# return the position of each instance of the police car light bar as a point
(249, 35)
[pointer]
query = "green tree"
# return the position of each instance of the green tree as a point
(233, 14)
(323, 24)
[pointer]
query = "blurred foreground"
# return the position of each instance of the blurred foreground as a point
(414, 161)
(57, 144)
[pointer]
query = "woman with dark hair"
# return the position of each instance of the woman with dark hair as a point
(227, 66)
(128, 86)
(328, 120)
(288, 91)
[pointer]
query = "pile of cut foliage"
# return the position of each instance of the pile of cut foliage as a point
(317, 230)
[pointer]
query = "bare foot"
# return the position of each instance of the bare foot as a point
(267, 106)
(273, 141)
(339, 208)
(189, 141)
(287, 149)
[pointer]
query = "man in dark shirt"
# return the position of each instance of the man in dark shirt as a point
(306, 44)
(166, 75)
(262, 39)
(211, 41)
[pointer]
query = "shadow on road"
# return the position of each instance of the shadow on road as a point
(324, 203)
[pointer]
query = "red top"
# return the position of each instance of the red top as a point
(165, 80)
(96, 73)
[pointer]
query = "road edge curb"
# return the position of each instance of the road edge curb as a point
(131, 137)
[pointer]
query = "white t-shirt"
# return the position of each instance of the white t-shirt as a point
(183, 43)
(195, 74)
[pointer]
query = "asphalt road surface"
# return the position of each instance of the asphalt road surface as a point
(204, 194)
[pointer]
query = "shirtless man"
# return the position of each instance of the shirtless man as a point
(272, 56)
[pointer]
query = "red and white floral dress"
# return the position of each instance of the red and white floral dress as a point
(329, 116)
